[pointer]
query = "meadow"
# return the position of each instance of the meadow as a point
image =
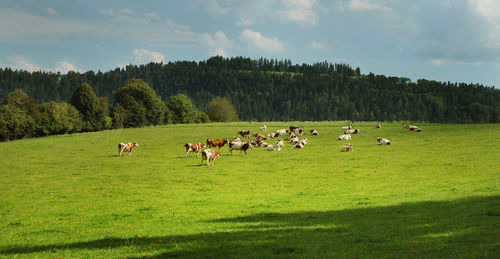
(430, 194)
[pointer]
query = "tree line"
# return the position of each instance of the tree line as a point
(277, 90)
(136, 104)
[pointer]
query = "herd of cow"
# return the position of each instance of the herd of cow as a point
(293, 134)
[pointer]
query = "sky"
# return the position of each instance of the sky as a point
(443, 40)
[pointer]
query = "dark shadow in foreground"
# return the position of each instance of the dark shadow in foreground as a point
(461, 228)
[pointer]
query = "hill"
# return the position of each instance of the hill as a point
(272, 90)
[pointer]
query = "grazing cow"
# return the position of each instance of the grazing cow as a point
(273, 148)
(216, 143)
(195, 147)
(129, 147)
(352, 131)
(383, 141)
(345, 137)
(346, 148)
(347, 127)
(263, 128)
(279, 143)
(244, 134)
(314, 132)
(241, 146)
(378, 126)
(292, 135)
(209, 155)
(304, 141)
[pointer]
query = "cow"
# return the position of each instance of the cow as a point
(195, 147)
(129, 147)
(209, 155)
(273, 148)
(216, 143)
(294, 140)
(346, 148)
(412, 128)
(259, 137)
(314, 132)
(383, 141)
(282, 131)
(279, 143)
(377, 126)
(345, 136)
(263, 128)
(241, 146)
(298, 145)
(352, 131)
(304, 141)
(244, 134)
(273, 135)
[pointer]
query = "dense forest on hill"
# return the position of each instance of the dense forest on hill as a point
(277, 90)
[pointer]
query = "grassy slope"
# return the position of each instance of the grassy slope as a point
(431, 194)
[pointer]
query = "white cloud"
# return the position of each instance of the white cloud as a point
(260, 42)
(64, 67)
(300, 11)
(218, 44)
(488, 8)
(365, 5)
(142, 56)
(20, 63)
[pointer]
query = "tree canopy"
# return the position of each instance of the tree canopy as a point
(221, 110)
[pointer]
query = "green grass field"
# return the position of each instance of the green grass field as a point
(430, 194)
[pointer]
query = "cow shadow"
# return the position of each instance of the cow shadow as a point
(459, 228)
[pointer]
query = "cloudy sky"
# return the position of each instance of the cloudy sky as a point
(444, 40)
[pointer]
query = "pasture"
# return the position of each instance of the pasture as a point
(433, 193)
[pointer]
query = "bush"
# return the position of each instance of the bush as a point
(15, 123)
(136, 105)
(221, 110)
(94, 111)
(182, 109)
(60, 118)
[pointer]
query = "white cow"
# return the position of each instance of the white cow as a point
(344, 137)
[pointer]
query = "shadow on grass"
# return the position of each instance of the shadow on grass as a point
(461, 228)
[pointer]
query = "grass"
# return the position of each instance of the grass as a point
(429, 194)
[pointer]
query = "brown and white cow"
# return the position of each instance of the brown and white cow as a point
(383, 141)
(238, 145)
(195, 147)
(244, 134)
(314, 132)
(412, 128)
(216, 143)
(377, 126)
(209, 155)
(128, 147)
(347, 148)
(345, 137)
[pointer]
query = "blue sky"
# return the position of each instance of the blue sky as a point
(445, 40)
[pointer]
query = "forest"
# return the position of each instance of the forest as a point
(278, 90)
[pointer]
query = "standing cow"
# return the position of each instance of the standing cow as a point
(128, 147)
(209, 155)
